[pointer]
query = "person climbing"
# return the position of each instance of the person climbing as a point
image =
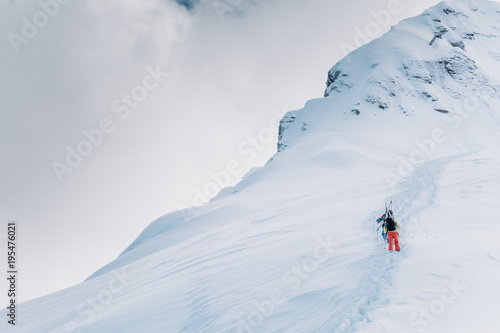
(390, 226)
(381, 221)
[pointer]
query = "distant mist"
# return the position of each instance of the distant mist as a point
(189, 4)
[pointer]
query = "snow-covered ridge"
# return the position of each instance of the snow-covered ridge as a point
(401, 73)
(408, 42)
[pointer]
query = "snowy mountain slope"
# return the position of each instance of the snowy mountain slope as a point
(210, 283)
(294, 248)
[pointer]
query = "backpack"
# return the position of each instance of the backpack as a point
(390, 224)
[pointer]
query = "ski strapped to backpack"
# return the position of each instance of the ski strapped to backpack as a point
(382, 221)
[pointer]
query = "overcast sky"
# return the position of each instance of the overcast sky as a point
(231, 69)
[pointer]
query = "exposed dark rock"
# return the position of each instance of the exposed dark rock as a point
(459, 44)
(428, 96)
(449, 11)
(459, 67)
(383, 106)
(377, 100)
(285, 123)
(442, 30)
(442, 111)
(418, 70)
(332, 77)
(468, 36)
(449, 68)
(335, 82)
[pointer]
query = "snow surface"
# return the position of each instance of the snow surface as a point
(293, 246)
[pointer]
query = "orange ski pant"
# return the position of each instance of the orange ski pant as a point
(393, 237)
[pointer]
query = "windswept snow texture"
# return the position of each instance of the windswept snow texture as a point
(294, 248)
